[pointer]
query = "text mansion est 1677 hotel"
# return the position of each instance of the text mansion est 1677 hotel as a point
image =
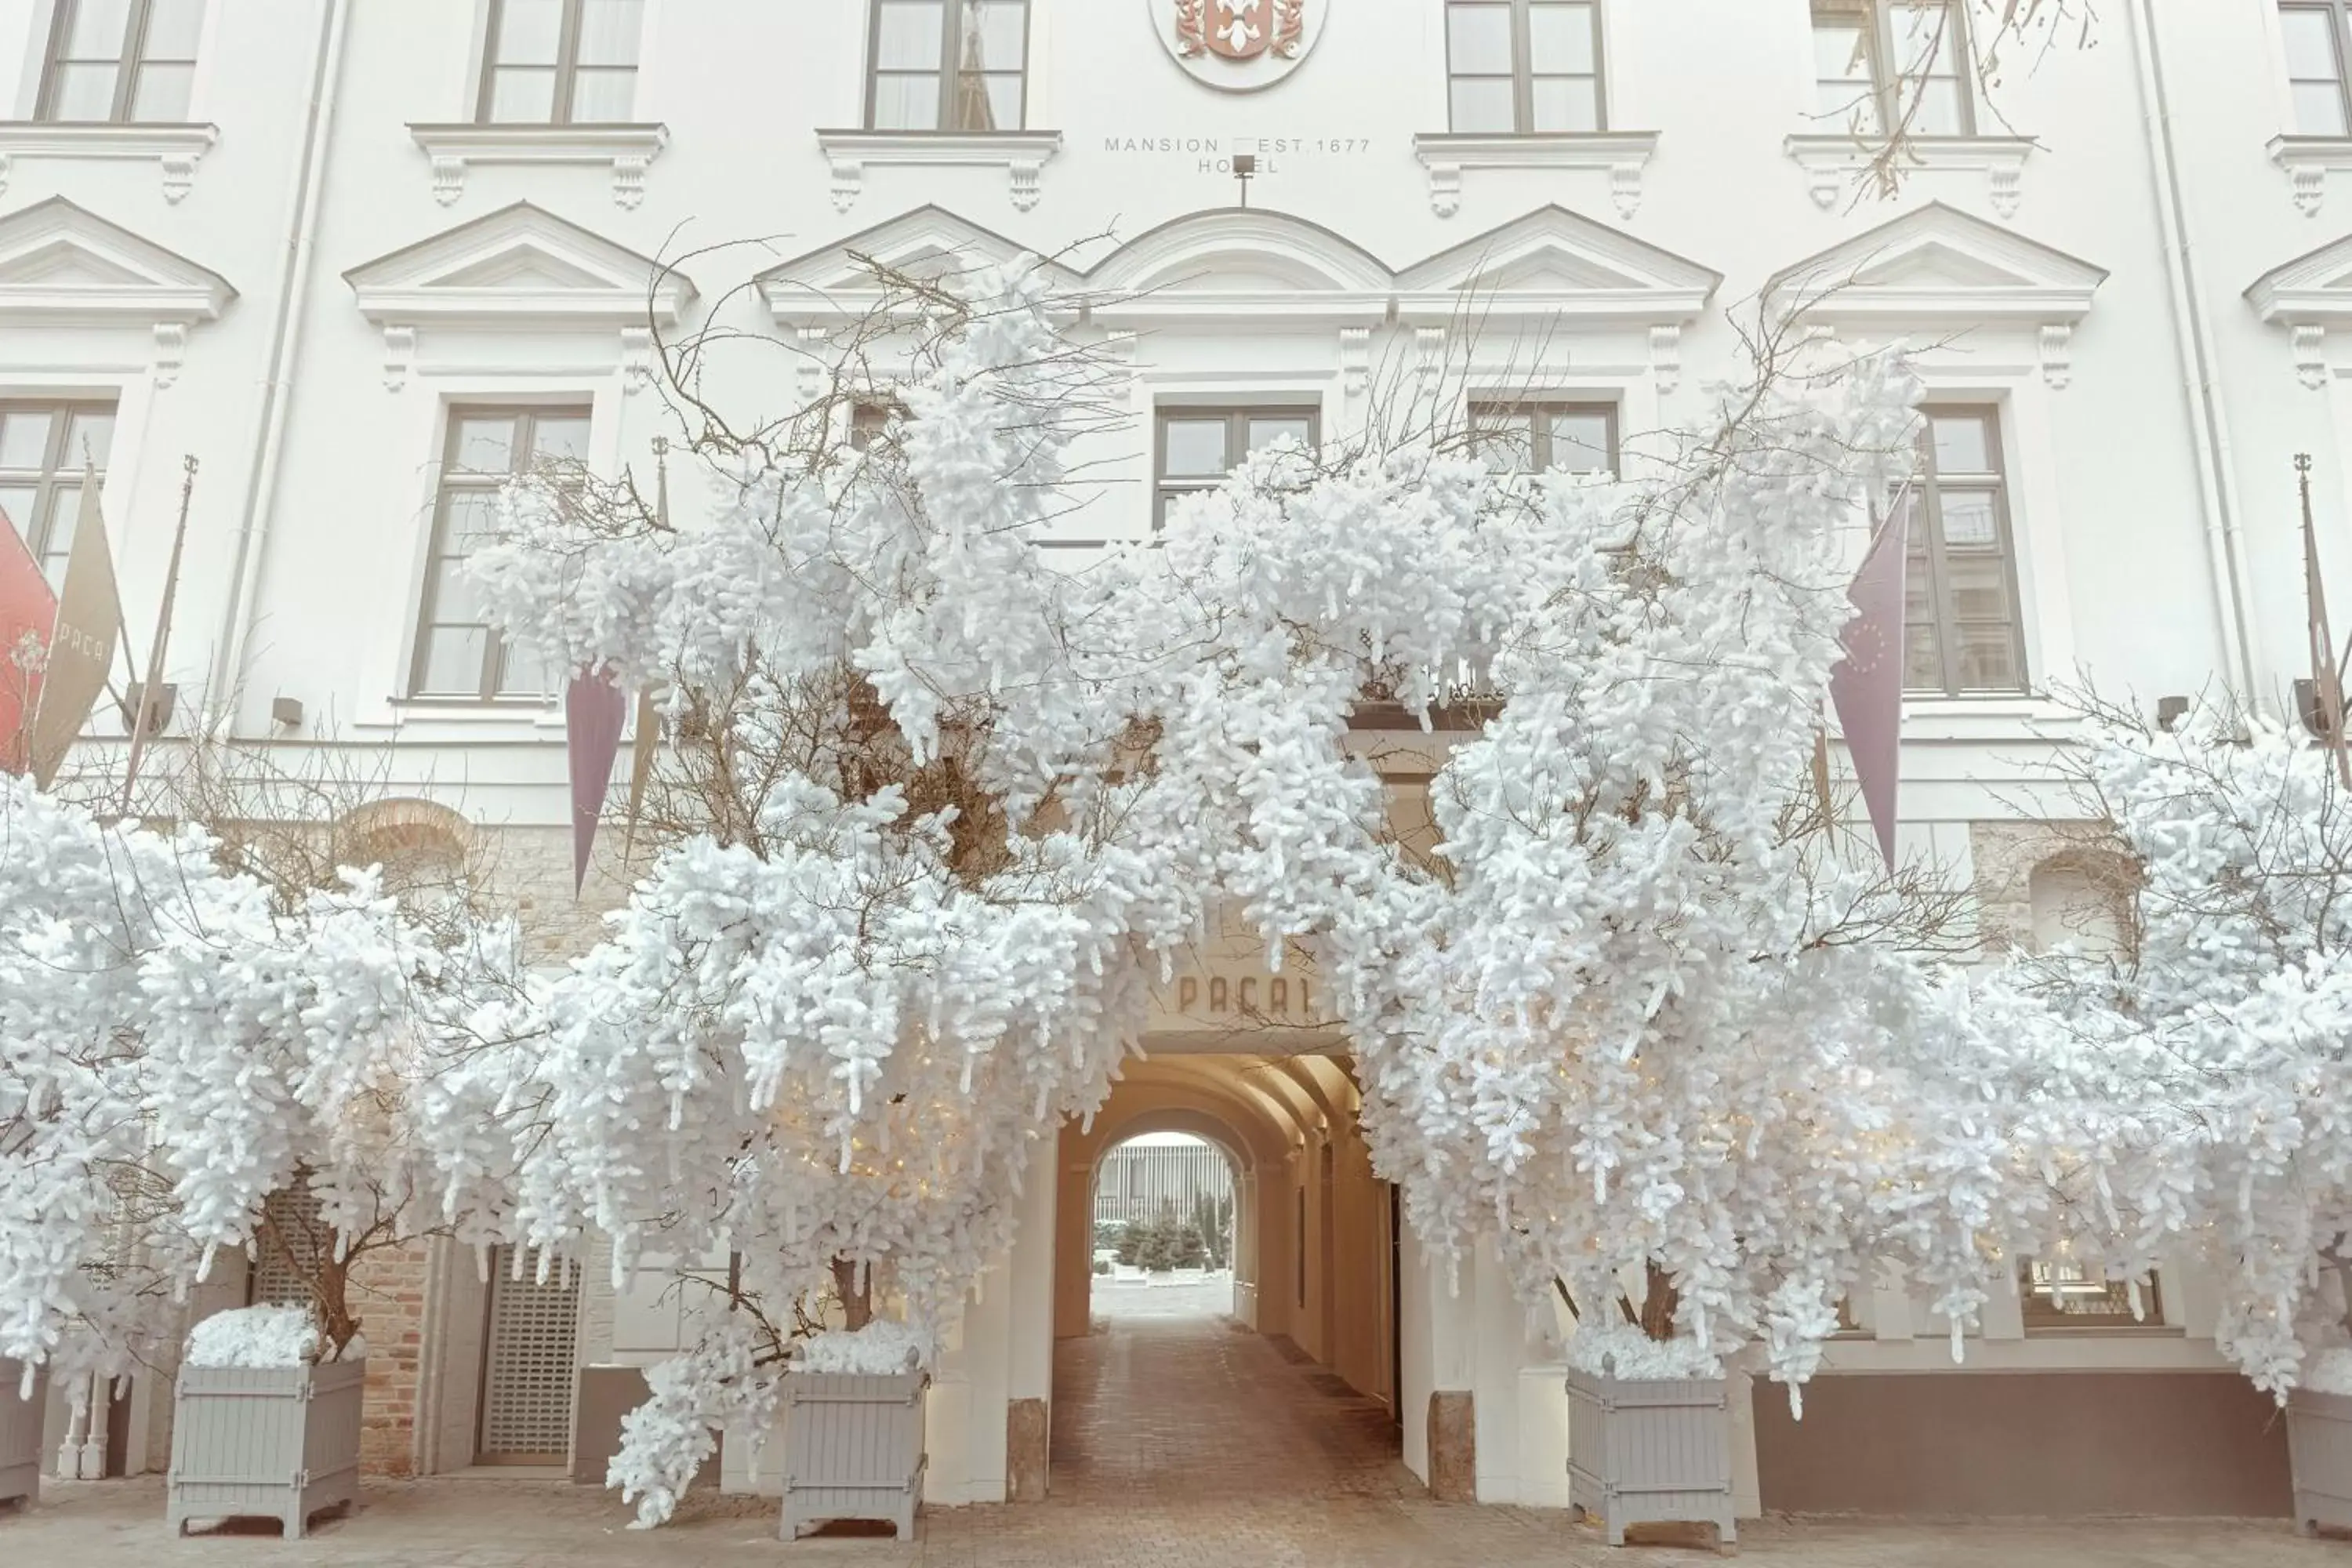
(364, 257)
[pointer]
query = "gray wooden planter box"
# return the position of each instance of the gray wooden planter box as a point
(1649, 1453)
(2319, 1442)
(268, 1442)
(853, 1449)
(20, 1433)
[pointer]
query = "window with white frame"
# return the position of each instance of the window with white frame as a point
(2060, 1294)
(947, 65)
(1882, 65)
(561, 62)
(1196, 448)
(1534, 438)
(459, 654)
(46, 446)
(2318, 38)
(1962, 620)
(1524, 65)
(119, 61)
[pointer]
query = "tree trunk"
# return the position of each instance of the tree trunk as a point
(856, 1294)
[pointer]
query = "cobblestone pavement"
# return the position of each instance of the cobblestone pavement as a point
(1177, 1441)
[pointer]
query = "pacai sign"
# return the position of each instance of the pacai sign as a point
(1238, 46)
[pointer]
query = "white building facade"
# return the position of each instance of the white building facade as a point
(360, 257)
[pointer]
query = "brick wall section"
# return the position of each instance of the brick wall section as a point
(388, 1294)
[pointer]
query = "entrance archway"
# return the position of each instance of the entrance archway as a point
(1164, 1223)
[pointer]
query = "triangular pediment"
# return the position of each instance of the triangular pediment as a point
(930, 244)
(1938, 265)
(61, 261)
(1553, 260)
(519, 263)
(2314, 290)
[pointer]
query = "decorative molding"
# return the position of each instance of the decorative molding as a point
(171, 352)
(2311, 296)
(1833, 162)
(1428, 361)
(2058, 355)
(637, 359)
(1022, 154)
(1551, 264)
(2308, 161)
(521, 267)
(1666, 355)
(1623, 154)
(399, 356)
(836, 282)
(63, 265)
(176, 148)
(1938, 268)
(812, 364)
(2311, 357)
(1356, 361)
(627, 150)
(1241, 264)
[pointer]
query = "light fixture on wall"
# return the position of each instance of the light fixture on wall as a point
(1245, 171)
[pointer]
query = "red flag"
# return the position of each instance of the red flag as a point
(593, 708)
(28, 610)
(1866, 685)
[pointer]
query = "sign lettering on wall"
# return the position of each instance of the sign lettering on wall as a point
(1215, 155)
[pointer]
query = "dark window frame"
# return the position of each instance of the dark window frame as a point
(2338, 14)
(60, 469)
(1237, 417)
(128, 63)
(452, 481)
(1929, 521)
(950, 76)
(1523, 72)
(566, 69)
(1539, 411)
(1886, 81)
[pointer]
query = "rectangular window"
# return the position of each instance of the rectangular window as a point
(561, 62)
(1900, 63)
(1197, 448)
(1962, 615)
(947, 65)
(1524, 65)
(119, 61)
(458, 653)
(44, 449)
(1536, 438)
(2315, 33)
(2061, 1294)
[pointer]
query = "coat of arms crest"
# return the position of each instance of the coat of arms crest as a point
(1241, 29)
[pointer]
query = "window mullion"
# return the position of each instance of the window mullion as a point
(1940, 599)
(1964, 75)
(1885, 75)
(950, 63)
(2340, 14)
(126, 71)
(1523, 90)
(567, 63)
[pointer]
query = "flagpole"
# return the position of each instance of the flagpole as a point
(2325, 684)
(155, 649)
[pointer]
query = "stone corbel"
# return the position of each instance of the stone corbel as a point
(170, 351)
(1356, 360)
(848, 178)
(180, 171)
(1445, 188)
(2058, 355)
(2311, 356)
(1026, 172)
(2309, 185)
(629, 181)
(1625, 188)
(448, 180)
(811, 340)
(637, 359)
(2008, 188)
(1667, 356)
(1428, 360)
(399, 356)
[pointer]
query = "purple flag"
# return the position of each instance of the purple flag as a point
(593, 708)
(1866, 685)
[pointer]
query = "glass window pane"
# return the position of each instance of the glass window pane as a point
(1264, 433)
(2318, 109)
(561, 438)
(82, 92)
(2310, 36)
(1478, 39)
(98, 28)
(1195, 447)
(160, 97)
(524, 96)
(1840, 51)
(17, 511)
(531, 32)
(485, 443)
(610, 31)
(1559, 39)
(1923, 36)
(89, 438)
(1979, 584)
(1970, 523)
(173, 27)
(604, 96)
(988, 103)
(906, 104)
(453, 596)
(469, 521)
(1936, 108)
(1567, 103)
(1987, 657)
(1483, 103)
(452, 665)
(56, 530)
(25, 438)
(1579, 442)
(1504, 439)
(520, 674)
(907, 35)
(1963, 444)
(1923, 665)
(994, 35)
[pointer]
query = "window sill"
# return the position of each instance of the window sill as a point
(1020, 153)
(2308, 161)
(628, 148)
(1989, 717)
(1833, 161)
(176, 147)
(1624, 154)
